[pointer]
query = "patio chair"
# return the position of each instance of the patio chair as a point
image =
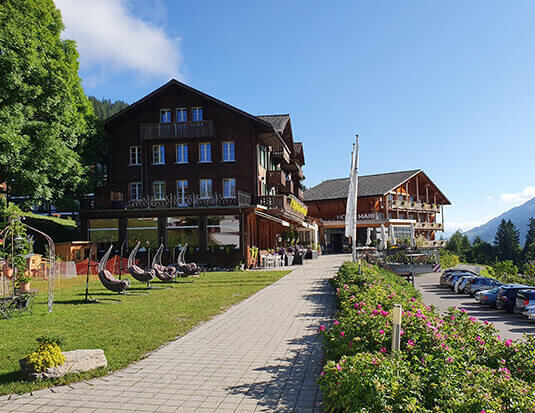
(186, 269)
(138, 273)
(107, 279)
(163, 273)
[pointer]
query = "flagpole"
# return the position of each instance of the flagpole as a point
(355, 192)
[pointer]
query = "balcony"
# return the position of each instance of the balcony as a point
(280, 154)
(435, 244)
(433, 226)
(283, 204)
(276, 178)
(414, 206)
(177, 130)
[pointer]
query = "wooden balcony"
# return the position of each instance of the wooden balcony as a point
(433, 226)
(177, 130)
(280, 154)
(284, 204)
(435, 244)
(414, 206)
(276, 178)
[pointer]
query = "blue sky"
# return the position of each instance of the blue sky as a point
(443, 86)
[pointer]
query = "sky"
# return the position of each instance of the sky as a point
(447, 87)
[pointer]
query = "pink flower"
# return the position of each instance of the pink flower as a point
(322, 328)
(336, 322)
(322, 373)
(342, 334)
(449, 359)
(339, 367)
(383, 350)
(508, 343)
(381, 331)
(410, 343)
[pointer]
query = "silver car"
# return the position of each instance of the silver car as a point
(461, 283)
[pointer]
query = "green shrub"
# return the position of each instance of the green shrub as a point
(446, 363)
(448, 259)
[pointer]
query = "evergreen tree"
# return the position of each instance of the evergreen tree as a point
(104, 108)
(507, 242)
(528, 253)
(454, 243)
(45, 116)
(482, 252)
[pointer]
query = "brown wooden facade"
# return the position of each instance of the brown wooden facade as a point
(265, 166)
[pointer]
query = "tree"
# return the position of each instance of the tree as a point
(507, 242)
(528, 252)
(104, 108)
(45, 116)
(454, 243)
(482, 252)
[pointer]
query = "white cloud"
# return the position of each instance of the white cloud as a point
(110, 36)
(519, 198)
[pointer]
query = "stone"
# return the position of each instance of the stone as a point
(76, 361)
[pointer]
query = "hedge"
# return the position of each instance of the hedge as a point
(446, 363)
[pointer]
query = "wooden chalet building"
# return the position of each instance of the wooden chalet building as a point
(184, 167)
(396, 199)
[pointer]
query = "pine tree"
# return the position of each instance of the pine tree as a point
(528, 253)
(507, 242)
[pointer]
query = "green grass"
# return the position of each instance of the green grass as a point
(61, 221)
(126, 331)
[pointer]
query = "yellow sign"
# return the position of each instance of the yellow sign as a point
(298, 206)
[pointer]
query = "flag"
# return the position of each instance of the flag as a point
(350, 204)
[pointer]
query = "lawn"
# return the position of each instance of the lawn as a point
(126, 331)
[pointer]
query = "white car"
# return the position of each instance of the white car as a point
(529, 312)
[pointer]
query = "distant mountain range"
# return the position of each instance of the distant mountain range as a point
(519, 215)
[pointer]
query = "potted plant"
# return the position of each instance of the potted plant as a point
(23, 283)
(7, 271)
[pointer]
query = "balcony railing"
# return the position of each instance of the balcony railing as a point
(175, 130)
(437, 226)
(435, 244)
(415, 206)
(280, 154)
(284, 204)
(276, 178)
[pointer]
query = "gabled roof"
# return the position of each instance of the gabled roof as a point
(299, 152)
(369, 185)
(278, 122)
(174, 82)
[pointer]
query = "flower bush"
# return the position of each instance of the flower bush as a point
(48, 354)
(446, 363)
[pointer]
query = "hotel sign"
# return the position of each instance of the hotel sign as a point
(371, 215)
(297, 207)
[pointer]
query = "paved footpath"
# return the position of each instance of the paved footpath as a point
(261, 355)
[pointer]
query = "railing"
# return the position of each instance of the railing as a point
(429, 225)
(415, 206)
(174, 130)
(190, 201)
(280, 153)
(276, 178)
(435, 244)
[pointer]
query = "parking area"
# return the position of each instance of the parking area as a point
(509, 325)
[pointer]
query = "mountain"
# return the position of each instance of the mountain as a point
(519, 215)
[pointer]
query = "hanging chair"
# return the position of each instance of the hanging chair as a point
(166, 274)
(182, 267)
(106, 277)
(144, 276)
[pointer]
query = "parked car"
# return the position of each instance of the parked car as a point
(481, 283)
(507, 297)
(452, 279)
(461, 283)
(447, 273)
(488, 297)
(524, 299)
(529, 312)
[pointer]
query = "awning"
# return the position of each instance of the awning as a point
(272, 218)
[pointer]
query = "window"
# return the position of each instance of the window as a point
(197, 114)
(229, 188)
(262, 156)
(206, 188)
(181, 115)
(205, 152)
(104, 230)
(181, 231)
(223, 231)
(228, 151)
(158, 154)
(144, 230)
(135, 155)
(159, 190)
(181, 190)
(182, 153)
(165, 115)
(135, 190)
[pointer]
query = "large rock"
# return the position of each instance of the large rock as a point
(76, 361)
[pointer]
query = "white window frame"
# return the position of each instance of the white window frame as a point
(138, 190)
(136, 151)
(194, 111)
(158, 184)
(209, 153)
(161, 155)
(227, 152)
(182, 190)
(181, 110)
(165, 110)
(202, 193)
(230, 194)
(182, 145)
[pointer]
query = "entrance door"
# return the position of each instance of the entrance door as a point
(337, 242)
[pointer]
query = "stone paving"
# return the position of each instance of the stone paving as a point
(261, 355)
